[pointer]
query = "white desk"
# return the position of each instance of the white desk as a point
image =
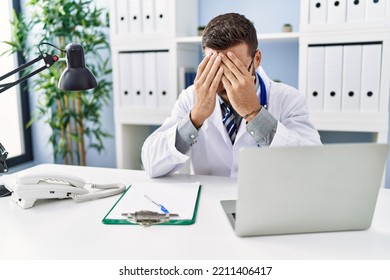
(66, 229)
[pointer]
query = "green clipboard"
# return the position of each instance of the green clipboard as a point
(113, 217)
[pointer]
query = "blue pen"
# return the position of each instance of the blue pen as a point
(159, 205)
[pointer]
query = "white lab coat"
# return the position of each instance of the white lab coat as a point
(213, 153)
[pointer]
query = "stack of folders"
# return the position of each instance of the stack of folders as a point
(189, 78)
(142, 16)
(344, 78)
(346, 11)
(178, 201)
(186, 77)
(144, 79)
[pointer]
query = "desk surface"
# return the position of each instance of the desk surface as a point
(65, 229)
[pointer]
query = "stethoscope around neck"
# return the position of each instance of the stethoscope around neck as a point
(263, 93)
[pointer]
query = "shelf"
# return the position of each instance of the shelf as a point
(351, 122)
(265, 37)
(141, 116)
(366, 26)
(279, 37)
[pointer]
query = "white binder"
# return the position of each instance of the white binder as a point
(122, 19)
(137, 79)
(356, 10)
(181, 78)
(371, 71)
(336, 11)
(315, 78)
(352, 67)
(164, 96)
(162, 16)
(124, 82)
(135, 17)
(150, 82)
(148, 20)
(333, 78)
(317, 11)
(375, 10)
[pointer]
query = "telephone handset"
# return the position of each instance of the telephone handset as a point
(27, 187)
(51, 178)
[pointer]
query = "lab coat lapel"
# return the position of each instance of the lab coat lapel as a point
(241, 130)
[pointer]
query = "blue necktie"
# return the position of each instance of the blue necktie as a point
(229, 122)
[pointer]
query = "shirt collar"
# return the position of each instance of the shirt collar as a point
(257, 82)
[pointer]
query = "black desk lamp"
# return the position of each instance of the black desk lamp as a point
(76, 76)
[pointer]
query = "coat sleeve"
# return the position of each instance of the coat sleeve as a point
(294, 125)
(159, 154)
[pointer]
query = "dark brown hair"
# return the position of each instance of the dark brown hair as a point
(228, 30)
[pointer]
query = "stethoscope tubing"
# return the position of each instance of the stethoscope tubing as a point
(263, 92)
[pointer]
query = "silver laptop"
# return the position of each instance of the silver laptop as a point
(287, 190)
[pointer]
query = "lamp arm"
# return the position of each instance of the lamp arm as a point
(48, 59)
(78, 60)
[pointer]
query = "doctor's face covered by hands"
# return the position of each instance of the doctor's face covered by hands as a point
(228, 67)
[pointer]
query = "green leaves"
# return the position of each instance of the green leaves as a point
(71, 116)
(20, 29)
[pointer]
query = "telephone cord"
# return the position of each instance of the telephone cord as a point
(106, 190)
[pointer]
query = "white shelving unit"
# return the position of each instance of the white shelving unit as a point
(134, 124)
(140, 27)
(352, 25)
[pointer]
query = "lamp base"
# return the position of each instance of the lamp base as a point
(4, 191)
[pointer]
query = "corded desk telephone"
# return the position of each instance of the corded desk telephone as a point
(27, 187)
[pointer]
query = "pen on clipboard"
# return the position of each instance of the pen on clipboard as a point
(157, 204)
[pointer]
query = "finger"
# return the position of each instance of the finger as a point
(231, 67)
(204, 68)
(228, 74)
(235, 65)
(226, 84)
(201, 66)
(214, 69)
(217, 80)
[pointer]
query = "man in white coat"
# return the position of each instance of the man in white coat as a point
(229, 106)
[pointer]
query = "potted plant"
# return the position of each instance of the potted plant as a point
(201, 28)
(287, 27)
(72, 116)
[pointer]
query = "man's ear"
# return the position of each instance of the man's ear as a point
(257, 59)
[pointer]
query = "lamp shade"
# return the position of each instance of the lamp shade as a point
(76, 76)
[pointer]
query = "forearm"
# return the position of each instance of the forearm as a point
(262, 127)
(186, 135)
